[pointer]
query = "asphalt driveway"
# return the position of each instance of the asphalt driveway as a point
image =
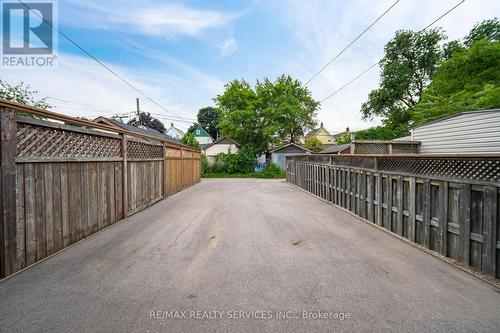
(245, 255)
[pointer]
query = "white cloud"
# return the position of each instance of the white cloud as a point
(228, 47)
(323, 28)
(166, 20)
(82, 81)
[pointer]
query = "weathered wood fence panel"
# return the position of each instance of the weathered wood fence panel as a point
(447, 204)
(61, 183)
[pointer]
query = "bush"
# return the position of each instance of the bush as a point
(189, 140)
(313, 144)
(241, 162)
(204, 164)
(273, 170)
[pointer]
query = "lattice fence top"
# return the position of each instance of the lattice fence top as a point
(140, 149)
(42, 142)
(371, 148)
(361, 147)
(452, 168)
(473, 169)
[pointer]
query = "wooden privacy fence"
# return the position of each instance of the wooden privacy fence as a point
(448, 204)
(63, 181)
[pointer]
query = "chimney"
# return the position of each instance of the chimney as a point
(347, 129)
(172, 124)
(321, 124)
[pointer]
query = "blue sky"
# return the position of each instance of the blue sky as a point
(181, 53)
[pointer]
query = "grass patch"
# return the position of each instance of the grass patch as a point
(242, 175)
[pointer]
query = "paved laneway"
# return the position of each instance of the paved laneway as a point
(245, 245)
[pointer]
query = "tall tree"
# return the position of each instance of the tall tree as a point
(208, 119)
(146, 120)
(192, 128)
(469, 80)
(487, 29)
(287, 107)
(409, 62)
(239, 116)
(273, 113)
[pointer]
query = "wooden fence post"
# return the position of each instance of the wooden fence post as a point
(443, 219)
(8, 132)
(399, 204)
(490, 231)
(388, 193)
(464, 222)
(379, 193)
(124, 176)
(412, 188)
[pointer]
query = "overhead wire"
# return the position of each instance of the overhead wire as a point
(375, 64)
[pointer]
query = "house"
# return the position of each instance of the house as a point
(174, 132)
(221, 145)
(202, 136)
(341, 134)
(465, 132)
(322, 135)
(279, 155)
(337, 149)
(139, 130)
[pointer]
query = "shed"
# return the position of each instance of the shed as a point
(465, 132)
(221, 145)
(278, 155)
(337, 149)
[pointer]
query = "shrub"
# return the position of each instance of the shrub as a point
(204, 164)
(190, 140)
(313, 144)
(273, 170)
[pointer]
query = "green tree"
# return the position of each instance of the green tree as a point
(193, 128)
(190, 140)
(287, 107)
(239, 117)
(273, 113)
(488, 30)
(469, 80)
(313, 144)
(409, 62)
(452, 47)
(22, 93)
(208, 119)
(145, 119)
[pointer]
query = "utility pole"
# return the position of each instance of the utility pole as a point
(138, 110)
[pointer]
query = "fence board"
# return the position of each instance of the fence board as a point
(72, 181)
(455, 218)
(30, 213)
(21, 220)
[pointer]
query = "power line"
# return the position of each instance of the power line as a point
(107, 109)
(95, 59)
(375, 64)
(352, 42)
(348, 83)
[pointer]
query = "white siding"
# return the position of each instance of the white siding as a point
(203, 140)
(472, 132)
(220, 148)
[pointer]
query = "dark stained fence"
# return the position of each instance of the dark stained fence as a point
(61, 183)
(447, 204)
